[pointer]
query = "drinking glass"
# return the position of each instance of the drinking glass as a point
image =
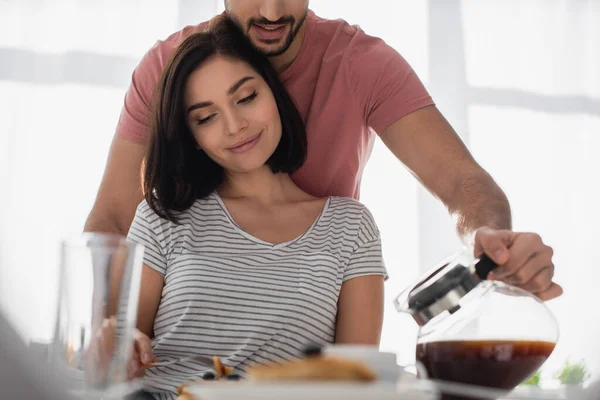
(97, 312)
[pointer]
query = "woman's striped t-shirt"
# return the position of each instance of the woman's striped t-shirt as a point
(229, 294)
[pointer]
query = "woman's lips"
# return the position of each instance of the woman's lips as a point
(245, 145)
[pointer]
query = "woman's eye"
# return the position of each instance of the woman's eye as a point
(201, 121)
(248, 99)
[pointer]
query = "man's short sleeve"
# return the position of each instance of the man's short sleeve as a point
(134, 122)
(385, 83)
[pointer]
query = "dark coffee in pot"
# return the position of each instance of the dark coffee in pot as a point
(497, 364)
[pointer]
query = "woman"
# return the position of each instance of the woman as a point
(240, 263)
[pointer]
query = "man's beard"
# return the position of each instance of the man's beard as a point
(287, 41)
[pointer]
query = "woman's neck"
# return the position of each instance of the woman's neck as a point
(262, 186)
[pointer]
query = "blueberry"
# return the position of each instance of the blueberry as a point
(233, 377)
(312, 350)
(209, 376)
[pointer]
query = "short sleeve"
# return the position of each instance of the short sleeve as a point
(146, 230)
(367, 258)
(386, 84)
(134, 121)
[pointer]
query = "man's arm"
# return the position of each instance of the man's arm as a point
(430, 148)
(120, 190)
(426, 143)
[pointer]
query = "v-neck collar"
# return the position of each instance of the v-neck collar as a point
(264, 242)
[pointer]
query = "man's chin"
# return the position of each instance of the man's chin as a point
(270, 49)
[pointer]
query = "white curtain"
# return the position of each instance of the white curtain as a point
(518, 79)
(65, 66)
(533, 120)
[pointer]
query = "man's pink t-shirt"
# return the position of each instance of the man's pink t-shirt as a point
(347, 85)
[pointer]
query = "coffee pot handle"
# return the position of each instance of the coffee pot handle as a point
(484, 265)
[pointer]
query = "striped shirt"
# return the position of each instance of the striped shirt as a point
(230, 294)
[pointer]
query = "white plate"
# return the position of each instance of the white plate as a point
(407, 389)
(304, 391)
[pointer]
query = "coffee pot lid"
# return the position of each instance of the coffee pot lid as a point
(442, 290)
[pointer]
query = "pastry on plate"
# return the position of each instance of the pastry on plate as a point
(222, 373)
(313, 369)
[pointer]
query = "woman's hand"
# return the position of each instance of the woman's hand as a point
(103, 347)
(141, 355)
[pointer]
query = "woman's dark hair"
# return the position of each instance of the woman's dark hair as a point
(175, 172)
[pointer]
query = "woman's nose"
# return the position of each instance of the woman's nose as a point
(235, 122)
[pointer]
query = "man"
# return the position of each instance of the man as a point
(348, 86)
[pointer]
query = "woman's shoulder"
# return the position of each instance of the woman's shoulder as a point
(352, 218)
(203, 206)
(349, 209)
(347, 205)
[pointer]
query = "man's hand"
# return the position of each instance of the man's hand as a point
(523, 260)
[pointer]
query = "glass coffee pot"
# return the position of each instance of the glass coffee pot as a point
(476, 331)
